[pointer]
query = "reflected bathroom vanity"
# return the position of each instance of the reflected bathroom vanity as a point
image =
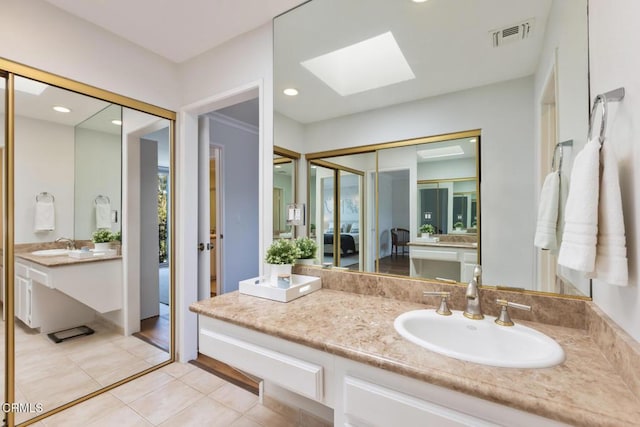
(447, 259)
(53, 293)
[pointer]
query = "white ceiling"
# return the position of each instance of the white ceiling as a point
(177, 29)
(446, 43)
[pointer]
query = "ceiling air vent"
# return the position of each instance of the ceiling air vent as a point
(521, 31)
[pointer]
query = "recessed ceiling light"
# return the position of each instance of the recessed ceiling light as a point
(290, 91)
(366, 65)
(472, 140)
(61, 109)
(313, 167)
(431, 153)
(117, 122)
(277, 166)
(419, 1)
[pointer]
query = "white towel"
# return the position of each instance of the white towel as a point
(578, 248)
(103, 215)
(611, 251)
(548, 213)
(45, 216)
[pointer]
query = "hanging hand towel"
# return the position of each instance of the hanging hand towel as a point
(548, 213)
(45, 216)
(611, 250)
(103, 214)
(578, 247)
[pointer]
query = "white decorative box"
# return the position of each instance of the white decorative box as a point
(427, 239)
(261, 287)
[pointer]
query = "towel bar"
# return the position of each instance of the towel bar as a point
(44, 195)
(615, 95)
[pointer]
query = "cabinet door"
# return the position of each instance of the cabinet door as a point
(21, 307)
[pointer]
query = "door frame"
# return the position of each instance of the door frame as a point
(187, 202)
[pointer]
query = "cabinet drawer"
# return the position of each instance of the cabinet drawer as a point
(436, 255)
(291, 373)
(22, 270)
(367, 404)
(40, 277)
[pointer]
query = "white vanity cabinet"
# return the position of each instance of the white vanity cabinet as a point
(359, 394)
(463, 259)
(61, 297)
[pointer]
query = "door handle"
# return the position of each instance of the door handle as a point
(202, 246)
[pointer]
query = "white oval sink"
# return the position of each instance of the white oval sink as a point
(50, 252)
(479, 341)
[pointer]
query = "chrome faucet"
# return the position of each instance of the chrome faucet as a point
(71, 244)
(474, 310)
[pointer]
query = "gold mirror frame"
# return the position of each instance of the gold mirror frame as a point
(286, 156)
(11, 70)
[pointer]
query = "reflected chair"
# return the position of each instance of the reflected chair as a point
(399, 237)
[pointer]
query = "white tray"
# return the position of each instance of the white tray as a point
(261, 287)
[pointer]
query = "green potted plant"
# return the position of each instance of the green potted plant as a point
(281, 255)
(307, 248)
(458, 226)
(426, 230)
(102, 239)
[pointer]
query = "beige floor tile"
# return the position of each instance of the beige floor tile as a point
(137, 388)
(165, 402)
(234, 397)
(205, 412)
(120, 372)
(59, 390)
(158, 359)
(178, 369)
(267, 417)
(202, 381)
(86, 412)
(122, 417)
(245, 422)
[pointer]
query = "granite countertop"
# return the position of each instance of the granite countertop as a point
(57, 261)
(584, 390)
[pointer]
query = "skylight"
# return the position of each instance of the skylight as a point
(432, 153)
(26, 85)
(366, 65)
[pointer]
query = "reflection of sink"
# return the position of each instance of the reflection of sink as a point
(479, 341)
(50, 252)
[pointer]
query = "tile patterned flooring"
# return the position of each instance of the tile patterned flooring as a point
(175, 395)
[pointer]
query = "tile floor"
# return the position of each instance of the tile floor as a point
(53, 374)
(175, 395)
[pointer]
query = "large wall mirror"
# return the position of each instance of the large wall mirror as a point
(90, 291)
(512, 74)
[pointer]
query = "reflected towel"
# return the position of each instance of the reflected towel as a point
(578, 248)
(611, 250)
(45, 216)
(103, 215)
(546, 226)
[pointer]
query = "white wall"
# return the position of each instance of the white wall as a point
(447, 169)
(504, 113)
(44, 161)
(98, 170)
(613, 38)
(35, 33)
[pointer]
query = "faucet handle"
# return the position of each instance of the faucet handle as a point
(504, 319)
(444, 308)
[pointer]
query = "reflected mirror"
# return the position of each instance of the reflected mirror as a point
(514, 73)
(285, 163)
(92, 286)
